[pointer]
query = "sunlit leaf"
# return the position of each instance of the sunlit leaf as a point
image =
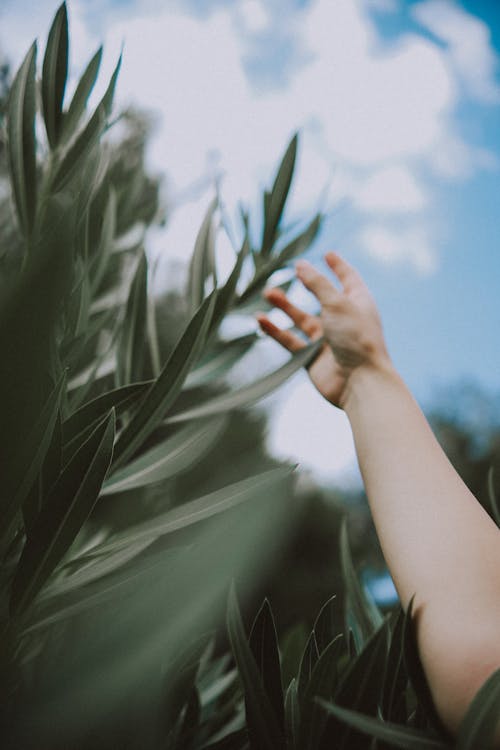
(54, 75)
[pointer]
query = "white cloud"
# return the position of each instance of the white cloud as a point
(407, 245)
(390, 190)
(469, 45)
(255, 15)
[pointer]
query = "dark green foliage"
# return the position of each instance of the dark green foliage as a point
(339, 700)
(101, 584)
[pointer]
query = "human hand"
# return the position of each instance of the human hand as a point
(349, 321)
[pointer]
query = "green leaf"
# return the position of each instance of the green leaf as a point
(248, 394)
(130, 349)
(366, 617)
(263, 643)
(22, 143)
(294, 248)
(170, 457)
(167, 386)
(274, 202)
(203, 259)
(328, 624)
(103, 253)
(361, 685)
(262, 723)
(393, 702)
(393, 734)
(93, 411)
(323, 682)
(477, 729)
(80, 97)
(292, 716)
(302, 242)
(54, 75)
(67, 508)
(219, 360)
(415, 670)
(495, 507)
(227, 293)
(78, 152)
(76, 157)
(38, 442)
(194, 511)
(307, 663)
(109, 95)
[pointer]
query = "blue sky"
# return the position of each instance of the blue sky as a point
(398, 103)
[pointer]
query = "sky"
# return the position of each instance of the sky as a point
(398, 108)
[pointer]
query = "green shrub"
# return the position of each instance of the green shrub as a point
(90, 611)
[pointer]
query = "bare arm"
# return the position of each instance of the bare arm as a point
(438, 541)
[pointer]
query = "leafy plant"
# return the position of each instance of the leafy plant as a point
(347, 691)
(89, 412)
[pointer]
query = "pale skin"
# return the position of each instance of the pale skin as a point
(439, 543)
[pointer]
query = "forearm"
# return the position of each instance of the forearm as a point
(438, 541)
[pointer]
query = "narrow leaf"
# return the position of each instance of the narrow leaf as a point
(248, 394)
(167, 459)
(227, 293)
(292, 716)
(202, 260)
(495, 507)
(80, 97)
(167, 386)
(38, 441)
(393, 734)
(93, 411)
(67, 508)
(307, 664)
(328, 624)
(194, 511)
(262, 724)
(366, 616)
(275, 202)
(133, 331)
(219, 360)
(22, 143)
(54, 75)
(264, 646)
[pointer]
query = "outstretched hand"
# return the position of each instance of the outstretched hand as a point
(349, 321)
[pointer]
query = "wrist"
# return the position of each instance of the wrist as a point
(365, 379)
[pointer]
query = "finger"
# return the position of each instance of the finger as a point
(347, 274)
(309, 324)
(287, 339)
(315, 282)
